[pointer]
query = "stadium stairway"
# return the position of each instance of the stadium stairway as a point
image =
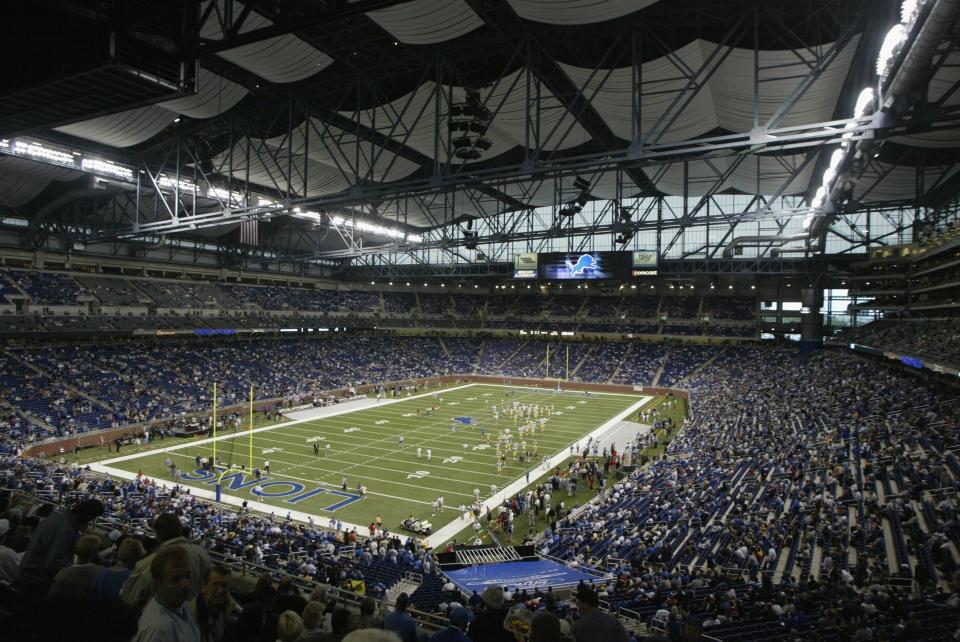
(703, 366)
(582, 361)
(663, 364)
(513, 354)
(476, 364)
(625, 359)
(408, 585)
(443, 346)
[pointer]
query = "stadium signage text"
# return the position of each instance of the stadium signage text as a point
(292, 492)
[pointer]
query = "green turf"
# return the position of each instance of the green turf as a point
(396, 485)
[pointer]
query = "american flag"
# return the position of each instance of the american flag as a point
(249, 232)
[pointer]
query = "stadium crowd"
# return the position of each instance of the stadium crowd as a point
(812, 494)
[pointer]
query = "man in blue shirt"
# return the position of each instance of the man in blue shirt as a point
(460, 619)
(400, 622)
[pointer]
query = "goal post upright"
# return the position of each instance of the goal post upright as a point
(214, 423)
(251, 427)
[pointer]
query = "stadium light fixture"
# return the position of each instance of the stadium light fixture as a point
(864, 102)
(820, 197)
(443, 285)
(729, 287)
(909, 10)
(408, 283)
(753, 287)
(888, 50)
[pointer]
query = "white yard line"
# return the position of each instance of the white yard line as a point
(446, 533)
(335, 411)
(443, 534)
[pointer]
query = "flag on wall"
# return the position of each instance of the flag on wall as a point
(249, 232)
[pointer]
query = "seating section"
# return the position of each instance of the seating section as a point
(48, 288)
(735, 308)
(680, 307)
(177, 304)
(935, 339)
(114, 290)
(809, 496)
(433, 303)
(824, 475)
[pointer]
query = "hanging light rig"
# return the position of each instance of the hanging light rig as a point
(467, 123)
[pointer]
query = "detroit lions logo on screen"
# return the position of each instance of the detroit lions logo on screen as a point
(584, 263)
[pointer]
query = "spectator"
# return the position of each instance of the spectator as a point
(340, 625)
(545, 627)
(167, 617)
(76, 582)
(258, 621)
(367, 619)
(313, 620)
(213, 604)
(137, 589)
(9, 560)
(488, 626)
(289, 627)
(52, 546)
(288, 598)
(593, 624)
(110, 581)
(460, 619)
(400, 622)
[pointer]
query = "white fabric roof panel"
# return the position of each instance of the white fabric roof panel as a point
(727, 99)
(214, 96)
(940, 84)
(506, 131)
(124, 129)
(22, 180)
(899, 183)
(281, 59)
(338, 149)
(702, 175)
(576, 12)
(425, 22)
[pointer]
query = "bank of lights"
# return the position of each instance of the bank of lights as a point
(373, 228)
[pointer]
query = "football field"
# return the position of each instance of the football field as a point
(444, 453)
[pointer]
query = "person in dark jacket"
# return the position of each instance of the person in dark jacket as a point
(52, 546)
(488, 626)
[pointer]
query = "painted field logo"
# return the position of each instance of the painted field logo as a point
(292, 492)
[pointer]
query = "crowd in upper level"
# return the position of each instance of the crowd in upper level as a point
(935, 339)
(58, 302)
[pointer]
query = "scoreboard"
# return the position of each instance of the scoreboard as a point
(564, 266)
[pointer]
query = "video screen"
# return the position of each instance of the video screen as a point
(560, 266)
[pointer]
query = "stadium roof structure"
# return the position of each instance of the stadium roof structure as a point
(439, 132)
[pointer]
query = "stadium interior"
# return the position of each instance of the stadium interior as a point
(644, 311)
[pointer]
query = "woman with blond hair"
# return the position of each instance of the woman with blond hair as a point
(289, 627)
